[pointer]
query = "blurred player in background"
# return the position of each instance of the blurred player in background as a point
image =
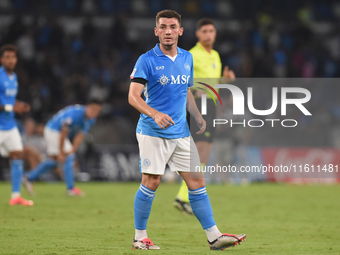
(34, 144)
(165, 74)
(207, 64)
(10, 139)
(71, 122)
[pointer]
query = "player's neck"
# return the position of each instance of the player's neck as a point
(208, 48)
(169, 50)
(8, 71)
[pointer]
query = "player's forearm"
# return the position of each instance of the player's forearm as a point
(138, 103)
(78, 139)
(191, 105)
(63, 135)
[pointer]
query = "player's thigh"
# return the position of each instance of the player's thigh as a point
(12, 143)
(185, 157)
(204, 149)
(154, 153)
(52, 138)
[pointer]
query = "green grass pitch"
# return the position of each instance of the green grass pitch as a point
(278, 219)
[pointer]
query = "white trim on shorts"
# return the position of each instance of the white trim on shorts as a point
(52, 138)
(155, 152)
(10, 140)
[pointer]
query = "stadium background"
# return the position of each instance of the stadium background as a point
(72, 51)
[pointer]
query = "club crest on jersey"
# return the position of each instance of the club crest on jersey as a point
(164, 80)
(146, 162)
(186, 65)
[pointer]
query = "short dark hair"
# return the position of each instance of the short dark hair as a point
(168, 14)
(8, 47)
(203, 22)
(95, 101)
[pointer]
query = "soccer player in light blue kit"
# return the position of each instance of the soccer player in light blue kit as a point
(71, 122)
(10, 139)
(165, 75)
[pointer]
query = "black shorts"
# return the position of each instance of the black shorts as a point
(209, 132)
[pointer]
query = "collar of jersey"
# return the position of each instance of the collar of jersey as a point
(11, 77)
(159, 53)
(200, 46)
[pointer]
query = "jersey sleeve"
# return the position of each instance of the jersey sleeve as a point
(88, 125)
(68, 116)
(141, 69)
(66, 121)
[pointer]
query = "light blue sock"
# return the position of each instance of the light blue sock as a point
(16, 174)
(68, 171)
(42, 168)
(142, 206)
(200, 204)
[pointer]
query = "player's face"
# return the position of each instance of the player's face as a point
(93, 110)
(168, 31)
(206, 35)
(9, 60)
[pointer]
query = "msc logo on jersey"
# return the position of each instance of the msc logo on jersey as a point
(11, 92)
(164, 80)
(179, 79)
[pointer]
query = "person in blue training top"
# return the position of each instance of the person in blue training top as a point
(10, 139)
(71, 122)
(165, 75)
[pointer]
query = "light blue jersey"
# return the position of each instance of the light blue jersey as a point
(166, 90)
(72, 116)
(8, 94)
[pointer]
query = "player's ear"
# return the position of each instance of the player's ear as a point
(181, 30)
(156, 32)
(197, 33)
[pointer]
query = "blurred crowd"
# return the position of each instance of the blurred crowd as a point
(72, 51)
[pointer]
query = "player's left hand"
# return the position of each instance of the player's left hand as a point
(228, 74)
(21, 107)
(201, 124)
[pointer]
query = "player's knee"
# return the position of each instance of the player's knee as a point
(196, 183)
(53, 157)
(153, 184)
(151, 181)
(16, 155)
(200, 182)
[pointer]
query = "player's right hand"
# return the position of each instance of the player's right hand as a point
(61, 157)
(21, 107)
(163, 120)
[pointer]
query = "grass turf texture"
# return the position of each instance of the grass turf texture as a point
(278, 219)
